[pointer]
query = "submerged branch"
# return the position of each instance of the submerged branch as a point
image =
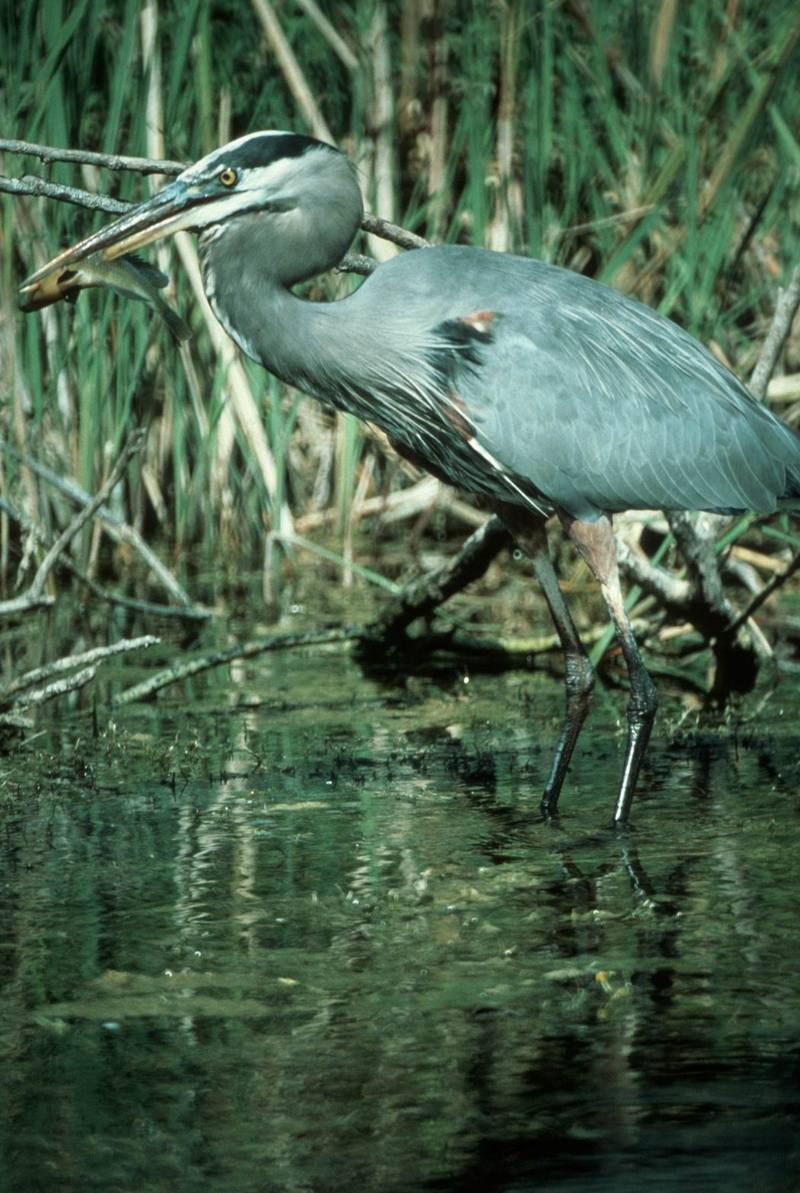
(418, 599)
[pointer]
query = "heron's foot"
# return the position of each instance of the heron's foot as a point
(641, 714)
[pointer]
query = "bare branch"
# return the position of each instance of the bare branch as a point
(393, 232)
(357, 263)
(31, 185)
(25, 603)
(85, 157)
(671, 592)
(766, 592)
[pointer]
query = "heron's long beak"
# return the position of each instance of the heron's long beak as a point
(169, 211)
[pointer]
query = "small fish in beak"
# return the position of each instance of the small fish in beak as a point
(127, 275)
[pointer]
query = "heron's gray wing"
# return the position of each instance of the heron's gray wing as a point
(601, 404)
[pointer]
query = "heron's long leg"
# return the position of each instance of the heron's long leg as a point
(528, 530)
(595, 541)
(578, 675)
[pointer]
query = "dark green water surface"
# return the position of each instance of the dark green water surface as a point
(305, 931)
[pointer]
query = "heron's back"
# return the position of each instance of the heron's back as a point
(585, 396)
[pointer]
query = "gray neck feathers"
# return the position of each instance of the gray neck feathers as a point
(250, 264)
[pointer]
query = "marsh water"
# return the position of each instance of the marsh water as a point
(301, 927)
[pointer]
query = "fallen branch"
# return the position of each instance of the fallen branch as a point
(69, 663)
(243, 650)
(59, 688)
(422, 596)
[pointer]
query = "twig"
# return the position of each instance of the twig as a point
(69, 662)
(357, 263)
(393, 232)
(765, 593)
(24, 603)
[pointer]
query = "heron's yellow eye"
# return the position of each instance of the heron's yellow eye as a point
(228, 177)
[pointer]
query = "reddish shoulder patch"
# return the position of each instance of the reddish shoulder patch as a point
(480, 321)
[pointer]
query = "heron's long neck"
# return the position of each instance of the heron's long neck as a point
(248, 268)
(321, 347)
(299, 341)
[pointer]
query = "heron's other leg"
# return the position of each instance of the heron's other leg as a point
(528, 530)
(578, 675)
(595, 541)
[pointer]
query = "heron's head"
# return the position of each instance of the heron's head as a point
(304, 190)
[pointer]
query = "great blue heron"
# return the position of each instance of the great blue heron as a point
(540, 390)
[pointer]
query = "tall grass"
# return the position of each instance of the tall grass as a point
(653, 146)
